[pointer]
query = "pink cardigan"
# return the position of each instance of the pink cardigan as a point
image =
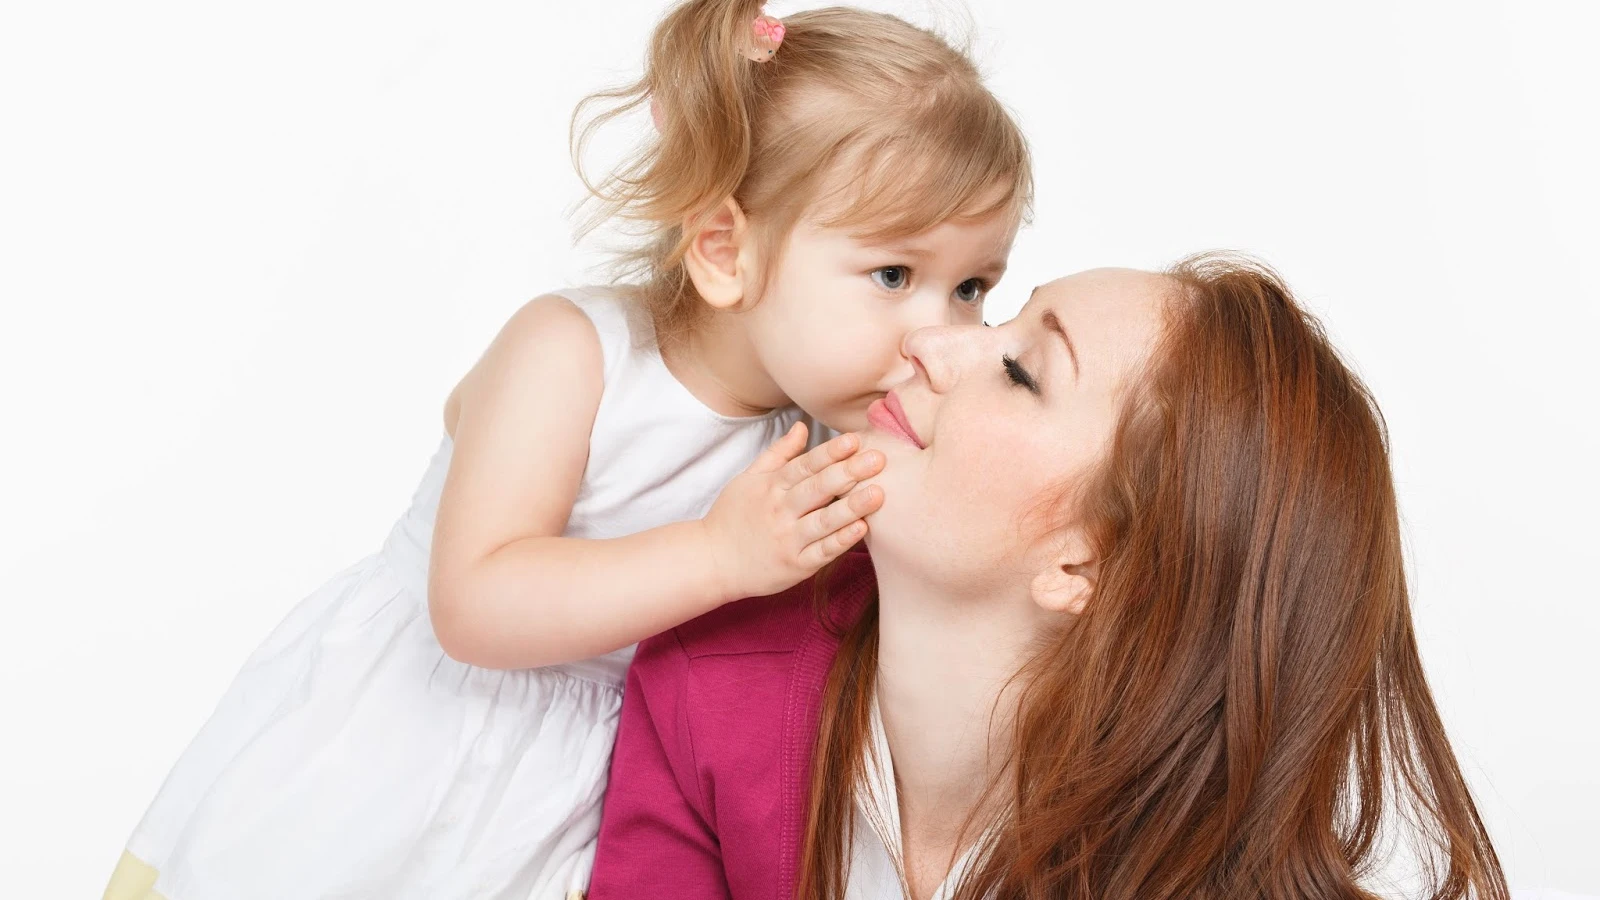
(710, 779)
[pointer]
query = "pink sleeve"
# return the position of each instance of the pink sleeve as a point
(655, 840)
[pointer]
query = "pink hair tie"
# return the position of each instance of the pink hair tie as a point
(768, 34)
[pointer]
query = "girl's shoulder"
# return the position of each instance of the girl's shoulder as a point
(548, 338)
(581, 333)
(620, 320)
(609, 319)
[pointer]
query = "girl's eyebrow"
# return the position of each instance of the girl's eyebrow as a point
(899, 248)
(994, 269)
(996, 266)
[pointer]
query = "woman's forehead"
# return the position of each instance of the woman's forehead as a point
(1099, 292)
(1105, 310)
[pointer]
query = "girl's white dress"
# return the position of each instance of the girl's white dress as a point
(351, 758)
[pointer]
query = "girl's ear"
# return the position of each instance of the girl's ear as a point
(719, 255)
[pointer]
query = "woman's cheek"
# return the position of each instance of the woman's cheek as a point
(1007, 465)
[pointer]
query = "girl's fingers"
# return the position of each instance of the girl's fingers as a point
(781, 451)
(818, 459)
(835, 481)
(841, 514)
(833, 546)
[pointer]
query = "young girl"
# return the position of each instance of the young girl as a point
(436, 722)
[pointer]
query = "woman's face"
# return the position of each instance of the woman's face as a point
(997, 424)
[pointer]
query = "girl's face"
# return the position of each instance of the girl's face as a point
(830, 324)
(999, 422)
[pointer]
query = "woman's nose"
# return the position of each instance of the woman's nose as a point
(937, 352)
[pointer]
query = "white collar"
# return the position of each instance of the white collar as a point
(877, 863)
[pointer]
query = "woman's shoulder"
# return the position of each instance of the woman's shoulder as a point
(783, 622)
(715, 716)
(729, 640)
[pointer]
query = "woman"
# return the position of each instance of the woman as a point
(1135, 625)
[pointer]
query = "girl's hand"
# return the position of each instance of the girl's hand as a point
(784, 518)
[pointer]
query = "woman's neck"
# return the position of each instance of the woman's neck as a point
(944, 665)
(718, 364)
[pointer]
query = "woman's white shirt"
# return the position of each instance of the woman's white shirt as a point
(877, 866)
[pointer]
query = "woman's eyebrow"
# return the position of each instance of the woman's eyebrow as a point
(1054, 324)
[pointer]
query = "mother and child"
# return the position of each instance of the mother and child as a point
(1133, 624)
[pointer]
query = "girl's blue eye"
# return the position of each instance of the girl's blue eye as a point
(972, 291)
(891, 278)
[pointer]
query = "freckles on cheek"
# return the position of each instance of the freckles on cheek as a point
(991, 443)
(1005, 467)
(972, 487)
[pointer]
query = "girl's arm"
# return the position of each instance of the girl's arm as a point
(507, 591)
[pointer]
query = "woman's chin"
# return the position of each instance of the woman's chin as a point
(886, 531)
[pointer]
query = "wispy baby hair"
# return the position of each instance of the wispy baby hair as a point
(860, 121)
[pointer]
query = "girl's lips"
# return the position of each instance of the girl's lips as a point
(888, 415)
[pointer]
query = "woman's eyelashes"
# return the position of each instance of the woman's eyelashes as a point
(1019, 376)
(896, 278)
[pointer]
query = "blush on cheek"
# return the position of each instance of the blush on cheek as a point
(1005, 492)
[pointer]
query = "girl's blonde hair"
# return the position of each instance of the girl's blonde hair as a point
(862, 120)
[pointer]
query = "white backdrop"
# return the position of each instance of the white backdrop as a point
(246, 249)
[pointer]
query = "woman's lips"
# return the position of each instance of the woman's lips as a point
(887, 414)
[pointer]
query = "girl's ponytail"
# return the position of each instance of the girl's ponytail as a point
(704, 92)
(883, 123)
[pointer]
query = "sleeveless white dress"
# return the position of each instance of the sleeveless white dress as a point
(351, 758)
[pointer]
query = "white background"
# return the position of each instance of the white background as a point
(246, 249)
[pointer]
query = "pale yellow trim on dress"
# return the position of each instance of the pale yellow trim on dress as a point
(133, 880)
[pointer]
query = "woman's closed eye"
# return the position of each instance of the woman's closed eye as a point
(1020, 376)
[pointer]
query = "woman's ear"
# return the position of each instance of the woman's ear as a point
(719, 255)
(1067, 582)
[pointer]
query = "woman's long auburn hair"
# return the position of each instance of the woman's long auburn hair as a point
(1241, 711)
